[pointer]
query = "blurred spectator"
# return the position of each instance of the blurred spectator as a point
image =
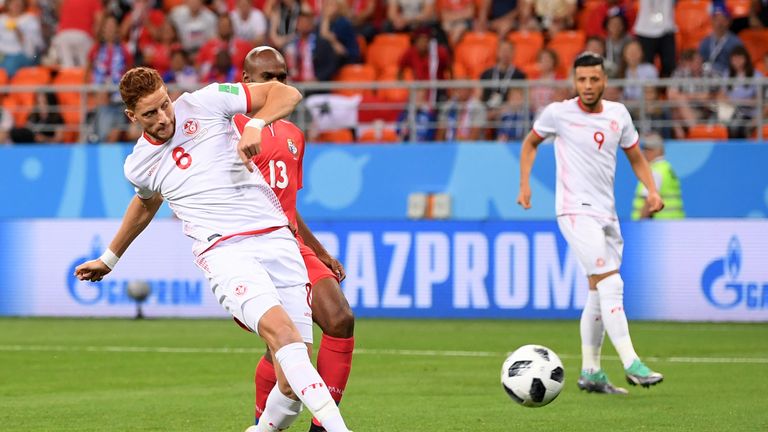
(654, 112)
(553, 15)
(408, 15)
(596, 24)
(456, 17)
(462, 117)
(226, 41)
(515, 120)
(284, 16)
(615, 40)
(716, 48)
(667, 183)
(424, 119)
(222, 70)
(195, 24)
(544, 93)
(692, 102)
(501, 75)
(79, 20)
(758, 13)
(249, 23)
(300, 47)
(339, 34)
(157, 52)
(49, 22)
(427, 59)
(634, 70)
(107, 62)
(739, 100)
(181, 73)
(362, 14)
(596, 44)
(655, 29)
(497, 15)
(44, 124)
(6, 124)
(141, 27)
(20, 37)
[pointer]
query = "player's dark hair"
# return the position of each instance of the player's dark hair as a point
(589, 58)
(137, 83)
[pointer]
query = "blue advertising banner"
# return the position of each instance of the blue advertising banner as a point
(372, 182)
(707, 270)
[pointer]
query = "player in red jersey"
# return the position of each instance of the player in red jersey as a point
(280, 162)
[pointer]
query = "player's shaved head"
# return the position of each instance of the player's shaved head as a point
(264, 64)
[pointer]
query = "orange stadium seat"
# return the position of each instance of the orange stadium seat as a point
(336, 136)
(476, 52)
(583, 15)
(708, 131)
(765, 133)
(382, 135)
(387, 49)
(69, 101)
(756, 42)
(3, 78)
(394, 94)
(738, 8)
(567, 45)
(356, 73)
(693, 22)
(21, 104)
(527, 46)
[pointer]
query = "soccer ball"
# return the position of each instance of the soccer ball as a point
(533, 375)
(138, 290)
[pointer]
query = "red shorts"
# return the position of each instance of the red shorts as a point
(316, 270)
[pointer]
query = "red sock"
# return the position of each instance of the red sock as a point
(334, 362)
(265, 380)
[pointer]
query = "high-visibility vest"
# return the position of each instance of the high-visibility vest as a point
(670, 192)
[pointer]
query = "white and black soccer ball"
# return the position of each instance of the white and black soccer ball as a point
(533, 375)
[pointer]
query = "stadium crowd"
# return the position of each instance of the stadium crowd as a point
(516, 47)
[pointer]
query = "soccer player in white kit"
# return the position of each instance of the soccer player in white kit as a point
(588, 131)
(190, 156)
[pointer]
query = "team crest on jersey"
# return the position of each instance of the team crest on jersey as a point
(614, 125)
(191, 126)
(292, 147)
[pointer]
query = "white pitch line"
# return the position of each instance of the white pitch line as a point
(358, 351)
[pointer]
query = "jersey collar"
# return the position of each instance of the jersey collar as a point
(585, 109)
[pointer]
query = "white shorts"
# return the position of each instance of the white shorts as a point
(597, 242)
(263, 271)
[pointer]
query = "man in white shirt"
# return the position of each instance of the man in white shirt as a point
(190, 156)
(588, 131)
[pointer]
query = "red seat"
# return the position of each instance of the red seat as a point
(386, 49)
(567, 45)
(356, 73)
(527, 46)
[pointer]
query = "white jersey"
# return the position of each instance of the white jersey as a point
(199, 171)
(585, 151)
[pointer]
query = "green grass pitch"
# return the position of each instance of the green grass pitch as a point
(408, 375)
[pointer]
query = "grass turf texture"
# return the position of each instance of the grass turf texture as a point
(196, 375)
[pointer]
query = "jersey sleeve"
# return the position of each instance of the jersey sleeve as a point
(225, 99)
(629, 136)
(142, 191)
(546, 125)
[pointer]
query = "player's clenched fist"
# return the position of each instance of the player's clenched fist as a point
(655, 203)
(250, 142)
(93, 270)
(524, 197)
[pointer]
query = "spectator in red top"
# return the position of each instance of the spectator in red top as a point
(158, 51)
(78, 22)
(222, 69)
(427, 59)
(596, 21)
(224, 41)
(141, 27)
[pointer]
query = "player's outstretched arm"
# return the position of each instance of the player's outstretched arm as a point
(527, 156)
(137, 217)
(311, 241)
(270, 101)
(653, 202)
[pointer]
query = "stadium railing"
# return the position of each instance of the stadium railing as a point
(393, 106)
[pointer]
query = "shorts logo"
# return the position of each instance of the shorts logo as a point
(600, 262)
(291, 147)
(240, 290)
(191, 127)
(614, 125)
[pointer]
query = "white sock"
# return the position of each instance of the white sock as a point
(611, 291)
(279, 412)
(309, 387)
(592, 331)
